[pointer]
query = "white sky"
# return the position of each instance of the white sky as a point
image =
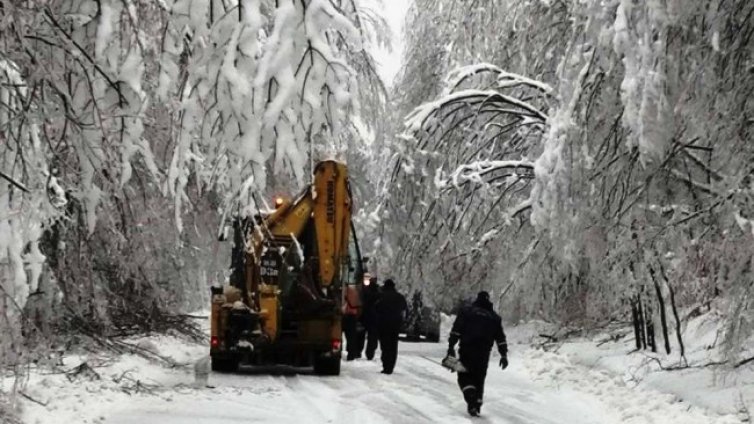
(394, 11)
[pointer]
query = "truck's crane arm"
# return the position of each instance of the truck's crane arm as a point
(332, 218)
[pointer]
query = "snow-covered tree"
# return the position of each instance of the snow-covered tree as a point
(124, 122)
(624, 127)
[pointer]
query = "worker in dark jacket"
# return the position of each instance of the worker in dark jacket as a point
(391, 311)
(352, 310)
(369, 317)
(477, 327)
(354, 342)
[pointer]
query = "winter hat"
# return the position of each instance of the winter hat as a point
(483, 300)
(389, 284)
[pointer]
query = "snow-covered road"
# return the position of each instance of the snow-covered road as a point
(538, 388)
(419, 391)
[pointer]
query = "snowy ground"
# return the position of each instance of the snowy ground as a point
(708, 382)
(419, 391)
(538, 388)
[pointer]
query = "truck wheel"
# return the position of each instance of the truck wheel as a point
(224, 365)
(327, 365)
(434, 338)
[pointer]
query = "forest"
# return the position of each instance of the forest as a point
(587, 162)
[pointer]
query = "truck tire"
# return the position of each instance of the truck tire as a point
(327, 365)
(224, 365)
(433, 338)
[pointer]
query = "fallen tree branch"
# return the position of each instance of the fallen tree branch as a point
(31, 399)
(743, 362)
(14, 182)
(685, 367)
(193, 316)
(612, 338)
(551, 338)
(146, 353)
(83, 369)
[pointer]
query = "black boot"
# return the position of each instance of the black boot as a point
(473, 410)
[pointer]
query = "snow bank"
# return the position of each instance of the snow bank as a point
(528, 333)
(84, 388)
(704, 384)
(632, 405)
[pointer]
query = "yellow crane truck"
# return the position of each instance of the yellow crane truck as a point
(295, 270)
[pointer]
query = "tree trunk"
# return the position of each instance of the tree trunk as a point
(677, 323)
(635, 320)
(675, 314)
(642, 329)
(663, 314)
(650, 326)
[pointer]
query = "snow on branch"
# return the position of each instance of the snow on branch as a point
(261, 86)
(481, 134)
(510, 95)
(496, 231)
(477, 99)
(504, 79)
(476, 171)
(462, 172)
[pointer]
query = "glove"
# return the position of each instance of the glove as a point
(451, 352)
(503, 362)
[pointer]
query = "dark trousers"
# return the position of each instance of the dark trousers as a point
(471, 382)
(361, 335)
(354, 341)
(389, 347)
(372, 341)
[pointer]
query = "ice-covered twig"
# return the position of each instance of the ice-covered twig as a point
(476, 170)
(421, 115)
(504, 79)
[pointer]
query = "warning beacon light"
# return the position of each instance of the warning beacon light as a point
(278, 202)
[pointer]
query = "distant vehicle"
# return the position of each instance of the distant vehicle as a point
(422, 322)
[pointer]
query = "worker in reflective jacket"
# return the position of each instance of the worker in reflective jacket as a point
(477, 327)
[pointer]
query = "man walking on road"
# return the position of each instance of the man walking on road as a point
(477, 327)
(352, 309)
(391, 310)
(369, 317)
